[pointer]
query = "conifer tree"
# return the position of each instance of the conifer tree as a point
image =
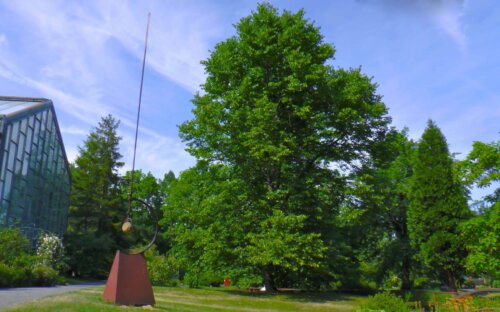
(95, 178)
(96, 209)
(438, 206)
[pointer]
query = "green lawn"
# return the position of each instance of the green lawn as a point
(180, 299)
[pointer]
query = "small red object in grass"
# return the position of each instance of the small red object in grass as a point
(227, 282)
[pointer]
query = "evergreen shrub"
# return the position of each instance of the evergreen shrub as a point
(162, 270)
(384, 302)
(43, 275)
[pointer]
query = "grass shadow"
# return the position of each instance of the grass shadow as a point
(297, 296)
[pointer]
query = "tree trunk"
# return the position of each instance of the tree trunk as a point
(406, 284)
(451, 281)
(268, 280)
(401, 229)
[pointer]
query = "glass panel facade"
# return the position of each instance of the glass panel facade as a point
(34, 172)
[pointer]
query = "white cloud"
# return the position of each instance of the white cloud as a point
(179, 36)
(73, 130)
(51, 71)
(83, 46)
(77, 107)
(81, 42)
(83, 64)
(71, 153)
(448, 18)
(156, 152)
(446, 15)
(6, 73)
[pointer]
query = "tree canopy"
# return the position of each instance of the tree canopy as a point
(96, 181)
(482, 168)
(288, 126)
(482, 233)
(382, 193)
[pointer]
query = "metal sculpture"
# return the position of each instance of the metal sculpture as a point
(128, 282)
(127, 227)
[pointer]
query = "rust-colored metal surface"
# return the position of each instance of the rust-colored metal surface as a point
(128, 282)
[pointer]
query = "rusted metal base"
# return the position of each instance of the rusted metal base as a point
(128, 282)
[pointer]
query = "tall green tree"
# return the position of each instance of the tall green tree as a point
(481, 234)
(96, 208)
(438, 206)
(383, 193)
(285, 122)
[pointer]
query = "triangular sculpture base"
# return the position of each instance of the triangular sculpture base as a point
(128, 282)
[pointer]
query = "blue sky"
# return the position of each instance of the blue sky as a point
(432, 59)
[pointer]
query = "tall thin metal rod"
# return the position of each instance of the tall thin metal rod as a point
(137, 122)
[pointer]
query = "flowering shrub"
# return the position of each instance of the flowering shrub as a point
(50, 252)
(18, 267)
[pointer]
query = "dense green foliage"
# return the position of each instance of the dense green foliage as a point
(482, 167)
(95, 205)
(281, 121)
(212, 238)
(382, 194)
(18, 267)
(482, 233)
(148, 196)
(385, 302)
(100, 204)
(482, 238)
(438, 206)
(163, 271)
(96, 209)
(13, 245)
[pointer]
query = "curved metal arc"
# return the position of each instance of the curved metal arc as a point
(152, 213)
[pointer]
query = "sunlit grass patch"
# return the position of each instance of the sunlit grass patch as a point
(183, 299)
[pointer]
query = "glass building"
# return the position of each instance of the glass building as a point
(34, 174)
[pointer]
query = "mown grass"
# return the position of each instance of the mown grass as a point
(213, 300)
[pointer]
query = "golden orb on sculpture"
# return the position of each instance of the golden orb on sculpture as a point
(127, 226)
